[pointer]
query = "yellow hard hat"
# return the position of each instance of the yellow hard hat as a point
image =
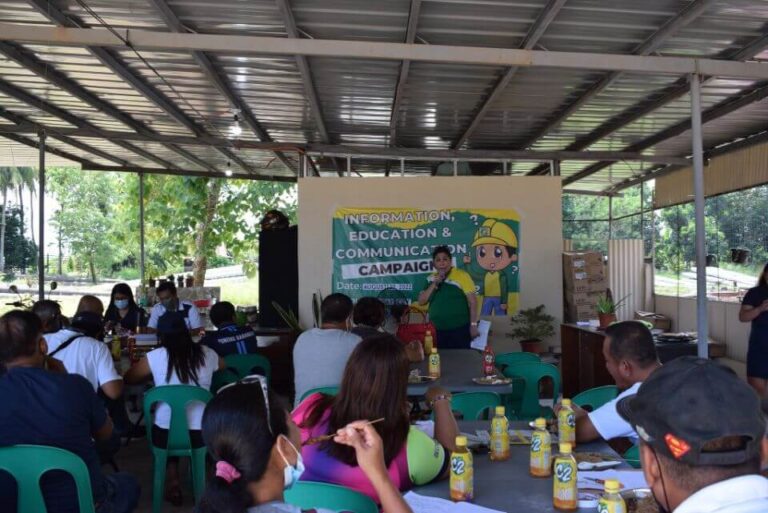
(495, 232)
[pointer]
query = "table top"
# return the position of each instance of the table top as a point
(507, 485)
(458, 367)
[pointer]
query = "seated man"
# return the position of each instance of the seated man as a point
(630, 357)
(700, 431)
(170, 305)
(90, 303)
(229, 337)
(59, 410)
(320, 354)
(80, 353)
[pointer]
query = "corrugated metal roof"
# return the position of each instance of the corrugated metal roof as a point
(439, 102)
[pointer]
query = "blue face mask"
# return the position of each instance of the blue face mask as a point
(121, 304)
(291, 474)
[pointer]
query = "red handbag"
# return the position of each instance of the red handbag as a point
(409, 331)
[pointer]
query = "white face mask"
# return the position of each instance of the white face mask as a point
(291, 474)
(121, 304)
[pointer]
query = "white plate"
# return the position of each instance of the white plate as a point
(600, 465)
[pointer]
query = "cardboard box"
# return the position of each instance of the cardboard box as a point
(659, 321)
(590, 262)
(580, 313)
(581, 282)
(582, 298)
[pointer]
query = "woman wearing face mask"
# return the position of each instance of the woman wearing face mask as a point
(123, 312)
(254, 442)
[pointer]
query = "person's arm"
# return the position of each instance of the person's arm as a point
(369, 450)
(446, 428)
(154, 316)
(425, 294)
(105, 431)
(585, 430)
(749, 313)
(55, 365)
(195, 322)
(113, 389)
(110, 382)
(222, 364)
(138, 373)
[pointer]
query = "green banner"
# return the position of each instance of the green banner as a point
(387, 252)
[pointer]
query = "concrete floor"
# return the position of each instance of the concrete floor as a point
(136, 459)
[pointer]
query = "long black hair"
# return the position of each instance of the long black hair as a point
(235, 430)
(184, 356)
(125, 290)
(763, 281)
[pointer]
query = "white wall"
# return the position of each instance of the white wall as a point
(724, 324)
(536, 199)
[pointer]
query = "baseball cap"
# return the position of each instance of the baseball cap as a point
(495, 232)
(691, 401)
(88, 323)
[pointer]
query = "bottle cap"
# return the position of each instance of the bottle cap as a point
(612, 486)
(540, 423)
(434, 350)
(500, 410)
(461, 441)
(565, 448)
(565, 402)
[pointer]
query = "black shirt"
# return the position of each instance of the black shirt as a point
(755, 297)
(134, 318)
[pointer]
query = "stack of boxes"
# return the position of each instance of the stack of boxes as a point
(584, 283)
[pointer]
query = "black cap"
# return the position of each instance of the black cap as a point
(691, 401)
(171, 323)
(88, 323)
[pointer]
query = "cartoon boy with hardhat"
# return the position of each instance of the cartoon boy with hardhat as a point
(495, 246)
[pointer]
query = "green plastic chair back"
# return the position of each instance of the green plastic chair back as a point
(246, 364)
(632, 456)
(332, 390)
(308, 495)
(531, 374)
(594, 398)
(507, 359)
(177, 397)
(27, 463)
(475, 405)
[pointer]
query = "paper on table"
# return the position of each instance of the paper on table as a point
(146, 339)
(424, 504)
(481, 340)
(629, 479)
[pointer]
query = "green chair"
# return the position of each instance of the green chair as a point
(331, 390)
(506, 359)
(27, 463)
(177, 397)
(632, 456)
(475, 405)
(239, 366)
(594, 398)
(528, 375)
(308, 495)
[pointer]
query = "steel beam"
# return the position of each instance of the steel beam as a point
(114, 63)
(698, 197)
(481, 56)
(531, 40)
(656, 40)
(142, 253)
(32, 143)
(190, 172)
(220, 82)
(41, 217)
(405, 68)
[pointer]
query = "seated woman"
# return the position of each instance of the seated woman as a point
(375, 385)
(123, 313)
(369, 315)
(255, 444)
(179, 361)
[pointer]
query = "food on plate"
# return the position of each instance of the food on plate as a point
(642, 505)
(593, 457)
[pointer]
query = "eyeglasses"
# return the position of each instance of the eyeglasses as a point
(249, 380)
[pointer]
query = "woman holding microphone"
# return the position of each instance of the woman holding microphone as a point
(450, 294)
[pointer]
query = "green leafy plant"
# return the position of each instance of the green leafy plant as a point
(532, 324)
(606, 305)
(289, 317)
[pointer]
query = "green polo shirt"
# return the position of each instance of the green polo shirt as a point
(448, 307)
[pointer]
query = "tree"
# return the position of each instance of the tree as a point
(19, 252)
(26, 179)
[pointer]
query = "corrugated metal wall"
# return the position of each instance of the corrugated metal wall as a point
(625, 275)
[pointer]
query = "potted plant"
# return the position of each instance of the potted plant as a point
(530, 326)
(606, 309)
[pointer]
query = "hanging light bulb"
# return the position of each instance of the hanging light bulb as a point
(236, 130)
(228, 171)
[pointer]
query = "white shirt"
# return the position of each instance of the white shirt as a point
(744, 494)
(319, 357)
(609, 423)
(158, 364)
(85, 356)
(192, 320)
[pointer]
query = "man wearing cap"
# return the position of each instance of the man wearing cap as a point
(81, 354)
(700, 431)
(495, 246)
(630, 357)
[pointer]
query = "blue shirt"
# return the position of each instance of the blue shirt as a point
(232, 339)
(46, 408)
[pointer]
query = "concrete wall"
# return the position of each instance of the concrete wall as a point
(724, 325)
(536, 199)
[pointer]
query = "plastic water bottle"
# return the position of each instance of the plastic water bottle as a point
(565, 495)
(499, 436)
(541, 450)
(462, 474)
